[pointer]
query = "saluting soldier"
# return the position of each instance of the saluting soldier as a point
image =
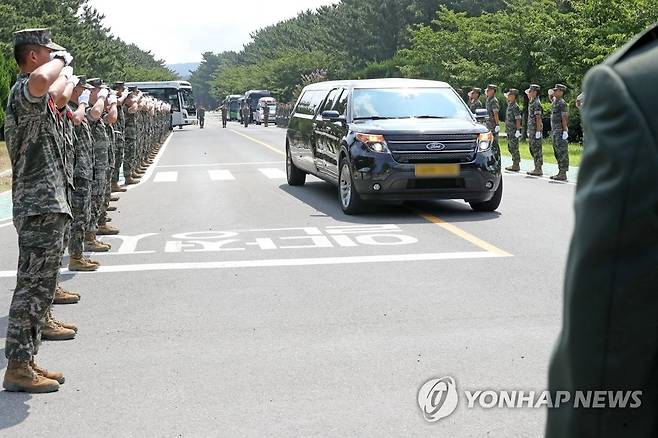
(535, 129)
(513, 123)
(493, 112)
(560, 132)
(474, 102)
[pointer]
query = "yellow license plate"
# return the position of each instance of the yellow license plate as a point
(425, 170)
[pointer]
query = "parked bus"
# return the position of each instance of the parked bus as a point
(252, 97)
(178, 94)
(233, 104)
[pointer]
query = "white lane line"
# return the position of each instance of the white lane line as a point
(152, 167)
(7, 224)
(273, 173)
(166, 177)
(250, 163)
(221, 175)
(269, 263)
(545, 178)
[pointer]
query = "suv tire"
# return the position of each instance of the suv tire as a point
(493, 203)
(349, 198)
(295, 176)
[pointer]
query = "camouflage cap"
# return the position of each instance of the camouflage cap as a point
(40, 37)
(82, 82)
(476, 90)
(512, 92)
(533, 87)
(95, 82)
(560, 87)
(132, 88)
(492, 87)
(119, 84)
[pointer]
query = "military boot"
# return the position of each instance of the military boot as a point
(52, 331)
(136, 176)
(132, 180)
(79, 263)
(20, 377)
(514, 167)
(93, 245)
(52, 375)
(92, 261)
(51, 318)
(117, 188)
(114, 198)
(108, 219)
(70, 292)
(62, 296)
(111, 208)
(561, 176)
(536, 172)
(107, 230)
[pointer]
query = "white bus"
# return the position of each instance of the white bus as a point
(178, 94)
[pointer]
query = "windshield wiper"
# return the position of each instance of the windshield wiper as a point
(429, 117)
(373, 118)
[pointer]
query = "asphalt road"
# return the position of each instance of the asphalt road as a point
(233, 305)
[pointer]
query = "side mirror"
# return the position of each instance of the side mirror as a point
(481, 115)
(332, 116)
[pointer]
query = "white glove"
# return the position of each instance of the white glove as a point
(538, 135)
(63, 55)
(84, 98)
(517, 134)
(565, 135)
(67, 72)
(112, 99)
(497, 129)
(103, 93)
(74, 80)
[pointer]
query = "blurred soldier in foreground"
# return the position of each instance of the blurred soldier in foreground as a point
(609, 340)
(513, 122)
(535, 129)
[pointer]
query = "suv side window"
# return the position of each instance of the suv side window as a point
(341, 104)
(331, 100)
(302, 105)
(315, 101)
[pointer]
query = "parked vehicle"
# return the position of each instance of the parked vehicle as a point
(392, 140)
(265, 104)
(176, 93)
(252, 97)
(233, 104)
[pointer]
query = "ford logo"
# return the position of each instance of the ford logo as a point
(435, 147)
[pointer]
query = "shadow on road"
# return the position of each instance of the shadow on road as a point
(323, 197)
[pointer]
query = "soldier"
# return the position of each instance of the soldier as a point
(535, 129)
(119, 130)
(224, 110)
(130, 133)
(266, 115)
(245, 113)
(513, 127)
(580, 100)
(493, 112)
(201, 115)
(560, 132)
(474, 102)
(40, 198)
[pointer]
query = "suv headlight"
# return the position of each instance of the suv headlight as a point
(485, 141)
(374, 142)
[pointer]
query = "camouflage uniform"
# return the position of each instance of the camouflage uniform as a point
(120, 142)
(101, 171)
(224, 110)
(111, 155)
(475, 105)
(512, 116)
(493, 107)
(41, 211)
(560, 146)
(534, 109)
(130, 151)
(83, 177)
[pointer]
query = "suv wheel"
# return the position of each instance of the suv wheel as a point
(349, 198)
(493, 203)
(295, 176)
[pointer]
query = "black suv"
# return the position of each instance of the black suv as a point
(392, 140)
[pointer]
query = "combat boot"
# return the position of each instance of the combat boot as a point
(136, 176)
(111, 208)
(514, 167)
(108, 219)
(70, 292)
(92, 261)
(114, 198)
(107, 230)
(117, 188)
(536, 172)
(131, 180)
(79, 263)
(52, 375)
(62, 296)
(50, 318)
(561, 176)
(52, 331)
(93, 245)
(20, 377)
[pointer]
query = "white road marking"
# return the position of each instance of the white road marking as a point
(166, 177)
(221, 175)
(152, 167)
(251, 163)
(269, 263)
(273, 173)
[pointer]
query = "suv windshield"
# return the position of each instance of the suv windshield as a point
(396, 103)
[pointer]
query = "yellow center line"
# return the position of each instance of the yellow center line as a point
(465, 235)
(462, 234)
(270, 147)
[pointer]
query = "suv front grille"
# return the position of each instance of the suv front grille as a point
(412, 148)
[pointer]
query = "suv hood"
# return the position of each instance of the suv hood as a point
(418, 126)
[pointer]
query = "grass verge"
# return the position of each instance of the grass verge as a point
(575, 151)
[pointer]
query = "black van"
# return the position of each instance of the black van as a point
(252, 97)
(392, 140)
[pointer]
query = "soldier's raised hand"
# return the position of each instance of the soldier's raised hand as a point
(63, 55)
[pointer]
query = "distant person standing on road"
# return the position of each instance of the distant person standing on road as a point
(493, 113)
(474, 102)
(535, 129)
(245, 114)
(266, 115)
(224, 110)
(513, 127)
(560, 132)
(201, 115)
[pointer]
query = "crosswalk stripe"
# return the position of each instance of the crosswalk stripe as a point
(273, 173)
(166, 177)
(221, 175)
